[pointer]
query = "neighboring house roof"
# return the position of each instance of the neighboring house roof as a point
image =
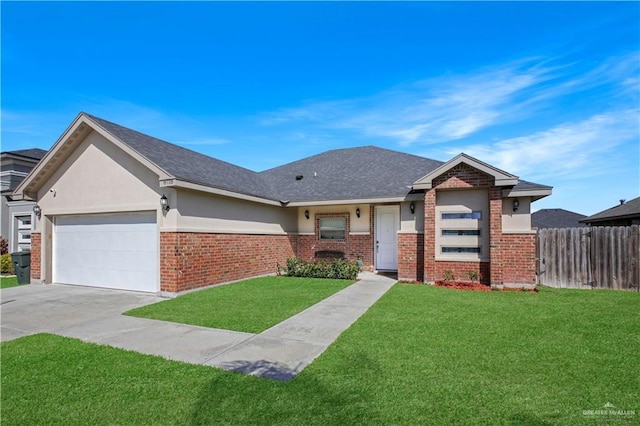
(556, 218)
(31, 153)
(341, 175)
(627, 210)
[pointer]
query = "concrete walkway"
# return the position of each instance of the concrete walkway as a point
(94, 315)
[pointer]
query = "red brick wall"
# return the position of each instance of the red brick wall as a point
(411, 257)
(354, 246)
(512, 256)
(495, 235)
(460, 270)
(36, 255)
(462, 176)
(192, 260)
(519, 258)
(430, 236)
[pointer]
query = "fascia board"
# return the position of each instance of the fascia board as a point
(412, 197)
(24, 188)
(74, 134)
(501, 177)
(177, 183)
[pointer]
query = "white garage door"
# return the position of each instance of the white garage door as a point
(115, 251)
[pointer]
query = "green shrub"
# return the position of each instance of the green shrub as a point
(6, 264)
(338, 269)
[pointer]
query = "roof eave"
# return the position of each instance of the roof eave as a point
(81, 126)
(535, 194)
(367, 200)
(179, 183)
(501, 177)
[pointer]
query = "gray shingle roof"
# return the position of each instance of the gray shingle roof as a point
(341, 174)
(524, 185)
(352, 173)
(556, 218)
(189, 165)
(627, 210)
(33, 153)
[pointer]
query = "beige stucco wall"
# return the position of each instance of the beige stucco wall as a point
(358, 224)
(90, 181)
(516, 222)
(462, 201)
(195, 211)
(97, 177)
(412, 222)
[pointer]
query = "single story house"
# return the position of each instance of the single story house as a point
(118, 208)
(626, 213)
(16, 215)
(556, 218)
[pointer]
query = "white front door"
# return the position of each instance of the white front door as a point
(115, 251)
(387, 227)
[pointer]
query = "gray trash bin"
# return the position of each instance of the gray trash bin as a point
(22, 266)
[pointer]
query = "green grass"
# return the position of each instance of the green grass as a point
(421, 355)
(6, 282)
(251, 306)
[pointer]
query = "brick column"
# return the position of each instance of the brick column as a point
(495, 235)
(410, 257)
(36, 256)
(429, 236)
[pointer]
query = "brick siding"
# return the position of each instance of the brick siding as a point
(354, 246)
(411, 257)
(512, 256)
(191, 260)
(519, 258)
(36, 251)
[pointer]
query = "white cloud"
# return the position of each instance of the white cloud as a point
(573, 149)
(451, 108)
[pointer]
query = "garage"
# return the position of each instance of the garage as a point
(115, 251)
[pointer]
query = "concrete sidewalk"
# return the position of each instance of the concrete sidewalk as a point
(278, 353)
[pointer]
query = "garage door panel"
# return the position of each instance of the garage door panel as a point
(115, 251)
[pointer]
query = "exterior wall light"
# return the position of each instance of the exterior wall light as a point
(37, 210)
(358, 212)
(164, 203)
(516, 204)
(306, 214)
(412, 207)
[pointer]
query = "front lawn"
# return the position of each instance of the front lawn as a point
(421, 355)
(251, 306)
(10, 281)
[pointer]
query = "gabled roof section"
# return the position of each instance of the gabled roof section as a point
(190, 166)
(361, 173)
(628, 210)
(170, 162)
(501, 177)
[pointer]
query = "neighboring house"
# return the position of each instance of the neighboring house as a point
(556, 218)
(17, 214)
(625, 214)
(125, 210)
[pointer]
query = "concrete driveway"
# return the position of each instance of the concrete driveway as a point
(95, 315)
(53, 308)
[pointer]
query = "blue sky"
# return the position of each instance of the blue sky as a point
(547, 91)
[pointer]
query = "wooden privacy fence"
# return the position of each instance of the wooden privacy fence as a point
(590, 257)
